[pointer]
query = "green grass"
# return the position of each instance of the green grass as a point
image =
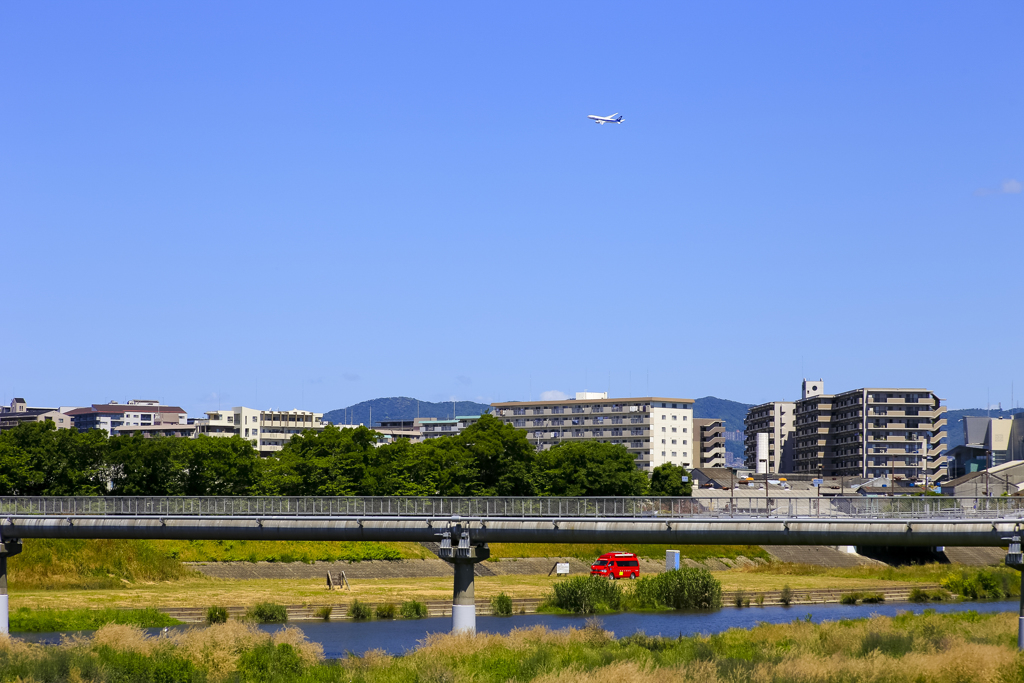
(289, 551)
(591, 551)
(55, 564)
(46, 620)
(923, 573)
(267, 613)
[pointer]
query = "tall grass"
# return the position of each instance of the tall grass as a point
(413, 609)
(947, 648)
(289, 551)
(46, 620)
(267, 613)
(53, 564)
(678, 589)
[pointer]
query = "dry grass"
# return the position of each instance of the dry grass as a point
(591, 551)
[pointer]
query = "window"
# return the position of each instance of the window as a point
(673, 454)
(663, 440)
(663, 417)
(684, 442)
(673, 443)
(674, 430)
(674, 417)
(663, 429)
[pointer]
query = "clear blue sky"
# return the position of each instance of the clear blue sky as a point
(312, 204)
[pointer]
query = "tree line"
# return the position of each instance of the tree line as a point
(489, 458)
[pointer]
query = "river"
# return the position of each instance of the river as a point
(395, 637)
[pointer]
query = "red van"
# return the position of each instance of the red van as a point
(616, 566)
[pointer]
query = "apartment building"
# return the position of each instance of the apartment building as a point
(655, 430)
(709, 442)
(112, 416)
(268, 430)
(768, 437)
(19, 411)
(871, 432)
(430, 427)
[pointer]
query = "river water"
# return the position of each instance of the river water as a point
(340, 638)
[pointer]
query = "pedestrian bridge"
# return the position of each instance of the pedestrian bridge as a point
(739, 520)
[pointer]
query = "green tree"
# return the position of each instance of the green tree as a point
(503, 457)
(332, 462)
(147, 467)
(589, 468)
(58, 462)
(442, 467)
(667, 480)
(218, 466)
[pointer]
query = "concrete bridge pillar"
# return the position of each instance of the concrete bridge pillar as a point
(8, 548)
(463, 556)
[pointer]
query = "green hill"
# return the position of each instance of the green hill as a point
(402, 408)
(732, 412)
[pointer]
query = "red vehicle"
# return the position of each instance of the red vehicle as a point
(616, 566)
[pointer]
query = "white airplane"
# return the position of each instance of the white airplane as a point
(614, 118)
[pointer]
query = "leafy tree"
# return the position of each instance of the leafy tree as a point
(333, 462)
(217, 466)
(147, 467)
(442, 467)
(667, 480)
(17, 475)
(503, 457)
(589, 468)
(58, 462)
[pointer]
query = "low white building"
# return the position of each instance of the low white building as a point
(267, 430)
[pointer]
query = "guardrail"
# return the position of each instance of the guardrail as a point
(837, 507)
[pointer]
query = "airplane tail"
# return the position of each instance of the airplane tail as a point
(620, 119)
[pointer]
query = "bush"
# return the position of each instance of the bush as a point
(359, 611)
(872, 598)
(501, 605)
(759, 599)
(866, 598)
(386, 610)
(685, 588)
(980, 583)
(786, 596)
(739, 598)
(412, 609)
(267, 613)
(849, 598)
(587, 594)
(936, 595)
(323, 612)
(267, 663)
(216, 615)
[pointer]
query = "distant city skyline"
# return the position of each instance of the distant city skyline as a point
(308, 206)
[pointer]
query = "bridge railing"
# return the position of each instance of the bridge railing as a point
(832, 507)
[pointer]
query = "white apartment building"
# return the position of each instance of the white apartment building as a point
(772, 452)
(268, 430)
(655, 430)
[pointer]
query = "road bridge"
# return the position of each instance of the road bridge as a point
(465, 526)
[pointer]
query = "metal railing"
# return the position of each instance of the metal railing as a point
(639, 508)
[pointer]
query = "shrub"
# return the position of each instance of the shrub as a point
(413, 609)
(759, 599)
(323, 612)
(872, 598)
(587, 594)
(501, 605)
(386, 610)
(216, 615)
(786, 596)
(739, 598)
(979, 583)
(359, 611)
(849, 598)
(267, 613)
(690, 588)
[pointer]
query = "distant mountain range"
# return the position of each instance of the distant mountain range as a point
(402, 408)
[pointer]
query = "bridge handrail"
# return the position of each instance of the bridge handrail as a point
(831, 507)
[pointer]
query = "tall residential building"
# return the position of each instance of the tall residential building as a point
(709, 441)
(138, 413)
(19, 411)
(871, 432)
(776, 422)
(653, 429)
(268, 430)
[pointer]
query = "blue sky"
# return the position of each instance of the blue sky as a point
(312, 204)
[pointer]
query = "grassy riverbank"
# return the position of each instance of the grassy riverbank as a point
(948, 648)
(47, 620)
